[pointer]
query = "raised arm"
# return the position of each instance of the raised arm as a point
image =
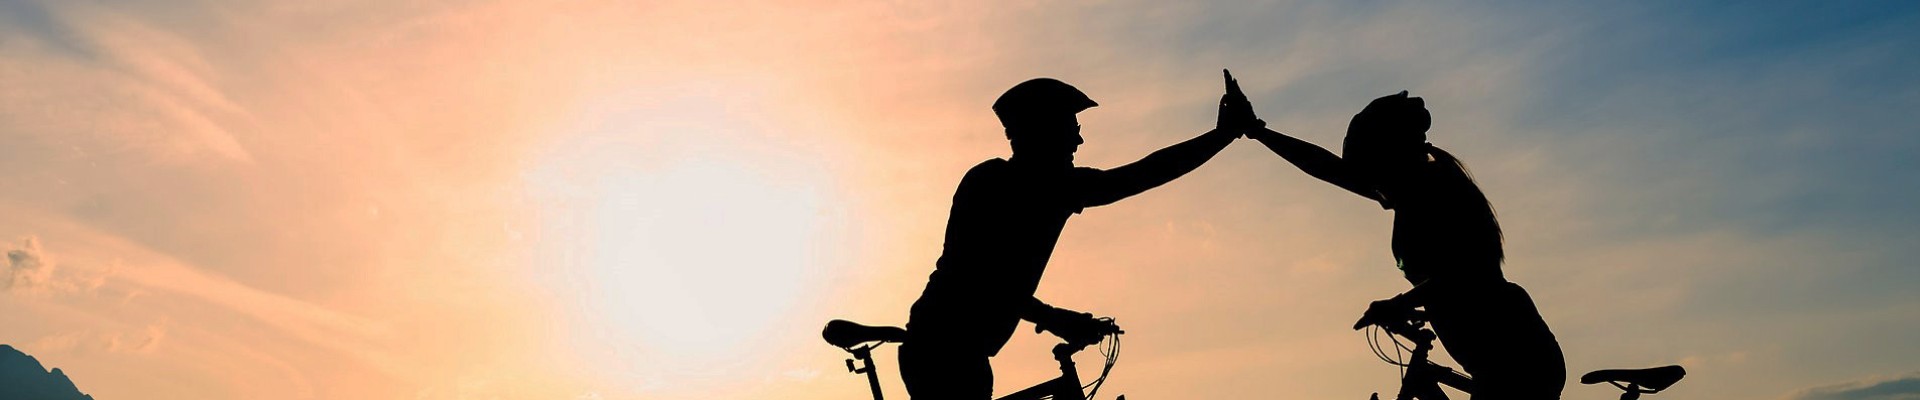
(1315, 161)
(1156, 169)
(1235, 117)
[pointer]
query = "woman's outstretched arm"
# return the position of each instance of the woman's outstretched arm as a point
(1315, 161)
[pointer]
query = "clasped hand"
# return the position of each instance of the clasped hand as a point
(1236, 113)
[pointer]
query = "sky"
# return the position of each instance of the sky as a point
(667, 199)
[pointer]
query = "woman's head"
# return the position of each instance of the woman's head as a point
(1387, 145)
(1388, 139)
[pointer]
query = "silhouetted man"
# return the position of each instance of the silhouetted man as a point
(1007, 215)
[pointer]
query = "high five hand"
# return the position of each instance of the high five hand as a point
(1236, 112)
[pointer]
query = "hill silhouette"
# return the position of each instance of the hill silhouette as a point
(22, 377)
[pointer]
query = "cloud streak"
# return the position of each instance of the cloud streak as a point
(27, 268)
(152, 75)
(1900, 387)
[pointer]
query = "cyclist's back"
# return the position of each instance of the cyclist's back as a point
(1000, 234)
(1449, 246)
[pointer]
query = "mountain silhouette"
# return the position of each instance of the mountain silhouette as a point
(22, 377)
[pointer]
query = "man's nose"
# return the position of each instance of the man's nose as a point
(1077, 140)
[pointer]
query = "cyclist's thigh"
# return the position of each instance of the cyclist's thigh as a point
(1521, 373)
(1497, 335)
(932, 374)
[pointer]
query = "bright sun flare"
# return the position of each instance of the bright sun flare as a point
(679, 264)
(697, 259)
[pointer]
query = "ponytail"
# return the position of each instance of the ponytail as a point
(1455, 184)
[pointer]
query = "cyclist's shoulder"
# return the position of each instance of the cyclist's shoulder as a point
(991, 165)
(1000, 173)
(1001, 166)
(995, 169)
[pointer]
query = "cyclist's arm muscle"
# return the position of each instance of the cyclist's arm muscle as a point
(1034, 310)
(1155, 169)
(1315, 161)
(1423, 292)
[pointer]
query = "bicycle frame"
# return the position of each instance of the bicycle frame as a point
(1423, 377)
(1065, 387)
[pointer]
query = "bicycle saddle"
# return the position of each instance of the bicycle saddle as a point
(1654, 379)
(846, 334)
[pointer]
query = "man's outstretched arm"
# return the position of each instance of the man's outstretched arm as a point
(1158, 168)
(1235, 117)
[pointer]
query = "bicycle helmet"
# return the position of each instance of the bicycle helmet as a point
(1037, 99)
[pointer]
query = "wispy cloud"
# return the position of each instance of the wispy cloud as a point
(27, 268)
(142, 340)
(154, 86)
(1899, 387)
(160, 277)
(31, 271)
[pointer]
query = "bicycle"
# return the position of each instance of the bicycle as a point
(860, 341)
(1421, 378)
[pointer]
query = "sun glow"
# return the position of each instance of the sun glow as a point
(698, 258)
(681, 259)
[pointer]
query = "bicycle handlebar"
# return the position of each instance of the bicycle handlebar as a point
(1409, 318)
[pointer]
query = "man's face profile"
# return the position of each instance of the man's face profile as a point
(1053, 137)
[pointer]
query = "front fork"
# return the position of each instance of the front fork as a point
(1421, 381)
(1424, 378)
(1067, 387)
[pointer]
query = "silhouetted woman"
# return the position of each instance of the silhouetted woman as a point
(1447, 243)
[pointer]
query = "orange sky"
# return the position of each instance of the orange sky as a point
(578, 200)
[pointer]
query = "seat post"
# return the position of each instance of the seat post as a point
(865, 355)
(1633, 392)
